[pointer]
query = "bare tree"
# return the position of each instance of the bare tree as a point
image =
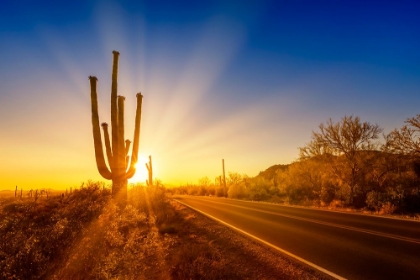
(345, 138)
(406, 140)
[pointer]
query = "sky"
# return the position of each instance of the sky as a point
(243, 81)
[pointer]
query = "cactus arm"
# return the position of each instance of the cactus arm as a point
(127, 146)
(135, 150)
(99, 154)
(108, 145)
(127, 158)
(121, 146)
(114, 109)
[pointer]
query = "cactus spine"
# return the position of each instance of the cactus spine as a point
(120, 168)
(150, 171)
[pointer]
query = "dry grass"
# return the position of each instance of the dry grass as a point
(34, 234)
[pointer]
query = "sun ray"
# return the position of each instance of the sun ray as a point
(141, 170)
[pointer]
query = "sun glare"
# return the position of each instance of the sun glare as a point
(141, 171)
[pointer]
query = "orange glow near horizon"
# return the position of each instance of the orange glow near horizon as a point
(183, 127)
(141, 171)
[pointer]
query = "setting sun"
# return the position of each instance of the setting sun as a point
(209, 140)
(141, 171)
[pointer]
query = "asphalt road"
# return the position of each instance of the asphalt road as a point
(353, 246)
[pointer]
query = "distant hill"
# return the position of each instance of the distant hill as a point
(271, 171)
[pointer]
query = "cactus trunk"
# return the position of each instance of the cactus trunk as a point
(120, 168)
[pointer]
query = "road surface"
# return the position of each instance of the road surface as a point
(351, 246)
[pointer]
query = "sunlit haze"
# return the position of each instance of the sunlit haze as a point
(242, 82)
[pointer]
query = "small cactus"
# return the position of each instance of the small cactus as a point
(150, 172)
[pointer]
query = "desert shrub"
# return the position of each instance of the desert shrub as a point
(220, 191)
(337, 203)
(258, 194)
(35, 233)
(387, 208)
(327, 193)
(151, 200)
(237, 191)
(258, 189)
(193, 190)
(125, 243)
(112, 246)
(359, 198)
(85, 235)
(374, 200)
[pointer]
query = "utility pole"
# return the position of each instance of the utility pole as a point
(224, 178)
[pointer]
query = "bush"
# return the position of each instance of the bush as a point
(35, 233)
(237, 191)
(387, 208)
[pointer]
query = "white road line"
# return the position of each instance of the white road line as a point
(323, 270)
(372, 232)
(329, 210)
(415, 220)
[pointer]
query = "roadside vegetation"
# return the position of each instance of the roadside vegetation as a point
(84, 234)
(345, 164)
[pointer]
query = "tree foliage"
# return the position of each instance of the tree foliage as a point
(346, 138)
(405, 140)
(343, 165)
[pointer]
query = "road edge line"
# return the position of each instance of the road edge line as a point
(330, 210)
(356, 229)
(308, 263)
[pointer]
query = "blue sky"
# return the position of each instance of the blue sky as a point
(242, 80)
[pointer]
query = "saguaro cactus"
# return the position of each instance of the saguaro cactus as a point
(150, 172)
(120, 168)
